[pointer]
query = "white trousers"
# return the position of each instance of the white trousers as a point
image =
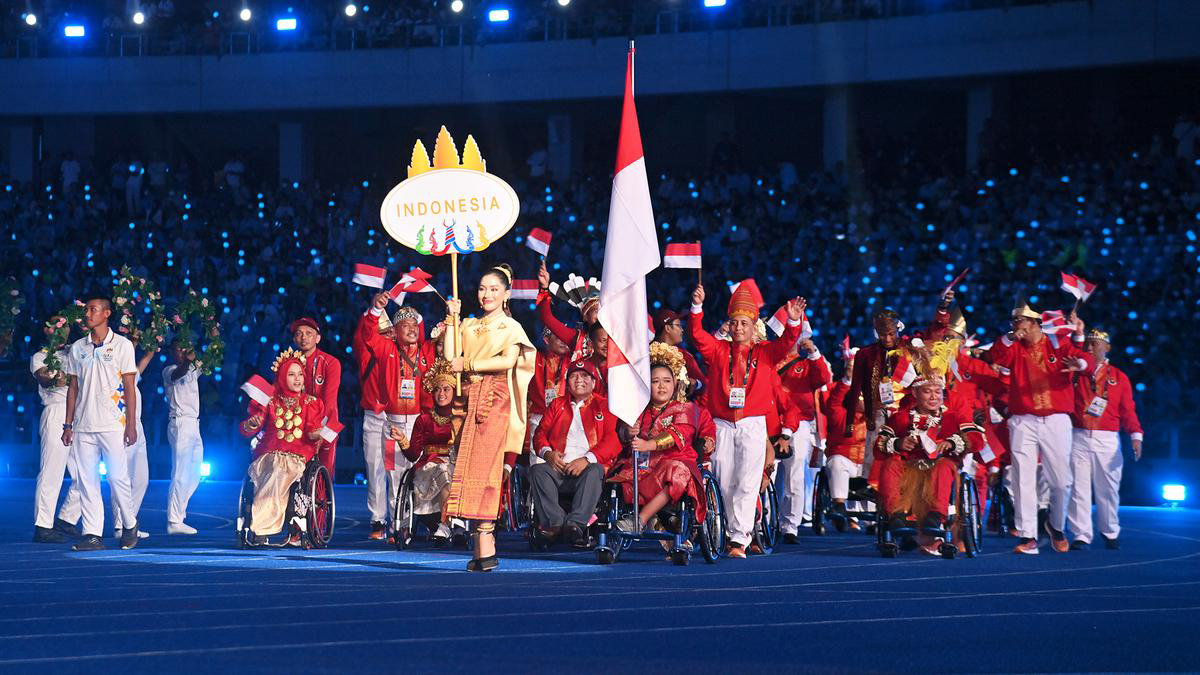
(187, 454)
(1049, 438)
(738, 464)
(1096, 465)
(55, 460)
(90, 447)
(795, 484)
(840, 470)
(139, 474)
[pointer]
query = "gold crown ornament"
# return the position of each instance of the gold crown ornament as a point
(958, 323)
(1024, 311)
(1097, 334)
(289, 353)
(439, 373)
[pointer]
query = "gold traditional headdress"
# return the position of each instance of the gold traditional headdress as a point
(1097, 334)
(439, 373)
(1024, 311)
(663, 354)
(958, 323)
(287, 355)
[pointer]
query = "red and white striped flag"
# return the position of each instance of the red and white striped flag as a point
(630, 253)
(1055, 323)
(539, 240)
(1077, 286)
(415, 281)
(524, 289)
(330, 430)
(389, 454)
(368, 275)
(258, 389)
(685, 256)
(778, 324)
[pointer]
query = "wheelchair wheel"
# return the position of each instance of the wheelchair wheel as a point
(712, 530)
(245, 500)
(766, 530)
(403, 519)
(971, 514)
(320, 520)
(822, 501)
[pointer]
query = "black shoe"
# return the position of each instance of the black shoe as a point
(1111, 544)
(790, 538)
(69, 529)
(378, 530)
(933, 522)
(90, 542)
(45, 535)
(459, 539)
(575, 535)
(483, 564)
(129, 538)
(1080, 545)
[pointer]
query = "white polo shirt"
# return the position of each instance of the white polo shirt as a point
(183, 394)
(52, 395)
(98, 369)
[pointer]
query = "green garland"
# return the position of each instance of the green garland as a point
(128, 293)
(71, 315)
(210, 357)
(10, 307)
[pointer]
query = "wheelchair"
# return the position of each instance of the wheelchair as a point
(709, 534)
(516, 502)
(405, 519)
(310, 498)
(822, 511)
(964, 522)
(1001, 514)
(767, 526)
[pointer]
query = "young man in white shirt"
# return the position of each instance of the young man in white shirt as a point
(181, 383)
(55, 457)
(101, 421)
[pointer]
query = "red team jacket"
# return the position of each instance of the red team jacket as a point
(1120, 414)
(1040, 386)
(599, 425)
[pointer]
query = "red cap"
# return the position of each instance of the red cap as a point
(586, 366)
(663, 317)
(304, 321)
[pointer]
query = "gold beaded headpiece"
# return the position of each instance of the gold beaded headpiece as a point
(288, 354)
(438, 374)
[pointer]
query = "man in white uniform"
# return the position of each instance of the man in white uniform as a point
(180, 381)
(52, 388)
(101, 421)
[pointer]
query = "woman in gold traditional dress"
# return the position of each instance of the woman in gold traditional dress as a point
(497, 358)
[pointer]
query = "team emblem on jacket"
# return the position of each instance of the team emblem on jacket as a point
(320, 380)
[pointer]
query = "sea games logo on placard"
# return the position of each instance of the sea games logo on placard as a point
(448, 205)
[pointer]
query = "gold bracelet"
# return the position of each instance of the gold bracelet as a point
(468, 366)
(665, 441)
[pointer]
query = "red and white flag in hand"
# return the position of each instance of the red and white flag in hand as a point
(369, 275)
(778, 324)
(630, 253)
(1055, 323)
(390, 448)
(330, 430)
(415, 281)
(683, 256)
(1077, 286)
(259, 389)
(524, 289)
(539, 240)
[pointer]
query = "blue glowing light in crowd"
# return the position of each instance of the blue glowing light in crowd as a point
(713, 4)
(549, 209)
(862, 249)
(1133, 315)
(1143, 185)
(1104, 252)
(74, 31)
(990, 183)
(942, 246)
(591, 228)
(275, 347)
(245, 328)
(261, 281)
(695, 194)
(282, 291)
(337, 280)
(920, 206)
(930, 227)
(1066, 179)
(366, 183)
(1020, 234)
(285, 24)
(866, 280)
(1120, 221)
(1033, 298)
(498, 15)
(1012, 172)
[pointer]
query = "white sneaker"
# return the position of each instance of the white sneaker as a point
(180, 528)
(443, 531)
(142, 534)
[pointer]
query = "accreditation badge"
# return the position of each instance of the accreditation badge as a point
(1097, 406)
(551, 394)
(887, 395)
(408, 389)
(737, 398)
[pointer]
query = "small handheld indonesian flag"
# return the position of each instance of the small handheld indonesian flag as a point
(330, 430)
(258, 389)
(928, 444)
(539, 240)
(1053, 322)
(389, 455)
(367, 275)
(1077, 286)
(778, 323)
(686, 256)
(416, 281)
(524, 289)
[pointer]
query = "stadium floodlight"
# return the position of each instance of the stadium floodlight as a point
(714, 3)
(31, 19)
(74, 31)
(498, 15)
(351, 9)
(245, 14)
(563, 3)
(285, 24)
(139, 18)
(1174, 493)
(456, 6)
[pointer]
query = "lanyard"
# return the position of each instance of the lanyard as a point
(751, 363)
(1101, 374)
(546, 373)
(411, 364)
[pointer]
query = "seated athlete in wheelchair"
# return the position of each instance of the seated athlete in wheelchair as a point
(577, 440)
(920, 453)
(674, 497)
(286, 490)
(423, 488)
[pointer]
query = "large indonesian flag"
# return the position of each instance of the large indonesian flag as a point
(630, 252)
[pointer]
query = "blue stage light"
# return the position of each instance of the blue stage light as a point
(285, 25)
(205, 469)
(74, 31)
(712, 4)
(1173, 492)
(498, 15)
(245, 14)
